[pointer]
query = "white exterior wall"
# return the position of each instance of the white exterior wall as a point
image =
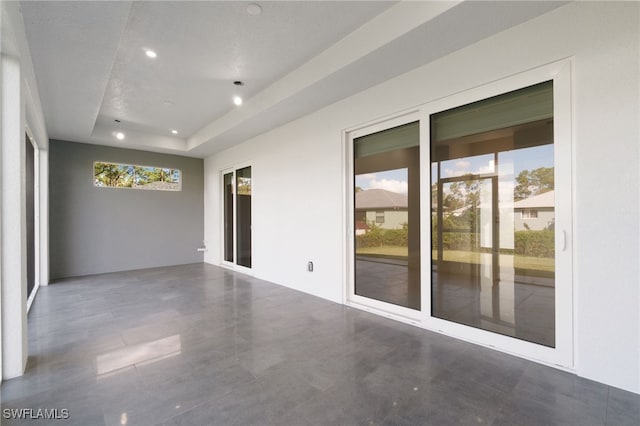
(393, 219)
(603, 40)
(545, 217)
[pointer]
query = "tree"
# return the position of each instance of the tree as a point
(115, 175)
(452, 197)
(244, 186)
(533, 182)
(141, 175)
(471, 191)
(157, 174)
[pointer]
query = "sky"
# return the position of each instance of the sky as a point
(391, 180)
(511, 164)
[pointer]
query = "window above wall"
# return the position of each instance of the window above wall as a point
(116, 175)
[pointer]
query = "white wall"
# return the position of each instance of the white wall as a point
(299, 173)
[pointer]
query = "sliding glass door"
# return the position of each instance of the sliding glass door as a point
(481, 182)
(236, 217)
(500, 184)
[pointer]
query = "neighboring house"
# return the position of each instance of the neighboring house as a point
(535, 213)
(386, 209)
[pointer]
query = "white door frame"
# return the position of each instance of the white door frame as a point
(36, 217)
(351, 298)
(562, 355)
(233, 265)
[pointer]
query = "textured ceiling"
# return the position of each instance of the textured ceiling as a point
(204, 46)
(297, 56)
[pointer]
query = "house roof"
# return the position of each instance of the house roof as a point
(546, 199)
(380, 199)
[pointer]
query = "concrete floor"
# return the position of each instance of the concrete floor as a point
(199, 345)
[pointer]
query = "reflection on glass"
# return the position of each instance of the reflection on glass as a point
(387, 216)
(140, 354)
(228, 217)
(243, 216)
(492, 216)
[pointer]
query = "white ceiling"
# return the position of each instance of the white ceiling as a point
(295, 57)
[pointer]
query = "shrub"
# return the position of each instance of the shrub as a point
(378, 237)
(535, 243)
(527, 243)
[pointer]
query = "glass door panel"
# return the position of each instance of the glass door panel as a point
(243, 216)
(228, 216)
(236, 216)
(30, 212)
(493, 215)
(387, 216)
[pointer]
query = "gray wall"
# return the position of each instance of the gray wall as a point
(95, 230)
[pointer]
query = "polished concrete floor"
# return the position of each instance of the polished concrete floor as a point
(198, 345)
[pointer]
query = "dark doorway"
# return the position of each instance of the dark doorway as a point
(30, 215)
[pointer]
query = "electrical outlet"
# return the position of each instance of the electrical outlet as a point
(310, 266)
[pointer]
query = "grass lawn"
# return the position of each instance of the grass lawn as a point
(520, 262)
(385, 251)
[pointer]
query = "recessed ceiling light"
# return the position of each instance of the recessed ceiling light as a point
(119, 136)
(175, 132)
(237, 100)
(168, 103)
(151, 53)
(254, 9)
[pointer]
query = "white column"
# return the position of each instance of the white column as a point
(13, 255)
(44, 215)
(1, 139)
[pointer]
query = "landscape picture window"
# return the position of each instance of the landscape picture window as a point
(116, 175)
(493, 215)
